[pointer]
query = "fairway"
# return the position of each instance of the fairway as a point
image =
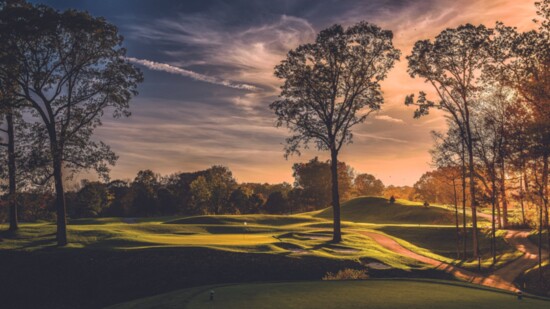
(338, 294)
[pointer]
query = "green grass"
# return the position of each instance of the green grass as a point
(378, 210)
(303, 234)
(338, 294)
(274, 220)
(298, 238)
(127, 256)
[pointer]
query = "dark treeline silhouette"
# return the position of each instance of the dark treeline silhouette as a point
(62, 70)
(211, 191)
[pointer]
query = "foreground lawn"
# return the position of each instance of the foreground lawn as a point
(337, 294)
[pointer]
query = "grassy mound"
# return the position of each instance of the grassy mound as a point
(338, 294)
(379, 210)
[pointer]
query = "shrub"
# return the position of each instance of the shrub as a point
(347, 274)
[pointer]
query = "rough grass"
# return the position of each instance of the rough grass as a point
(338, 294)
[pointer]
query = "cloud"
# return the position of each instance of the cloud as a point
(248, 53)
(157, 66)
(388, 118)
(193, 126)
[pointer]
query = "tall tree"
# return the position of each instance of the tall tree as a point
(71, 68)
(314, 177)
(327, 86)
(8, 110)
(451, 65)
(523, 59)
(367, 184)
(449, 152)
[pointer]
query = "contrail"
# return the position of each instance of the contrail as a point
(158, 66)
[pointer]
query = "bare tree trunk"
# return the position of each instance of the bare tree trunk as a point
(493, 226)
(521, 198)
(503, 194)
(456, 221)
(540, 240)
(540, 210)
(473, 199)
(499, 215)
(337, 237)
(11, 171)
(59, 196)
(544, 195)
(464, 221)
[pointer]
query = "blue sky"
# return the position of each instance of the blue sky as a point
(208, 69)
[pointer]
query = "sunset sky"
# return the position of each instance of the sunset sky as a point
(208, 69)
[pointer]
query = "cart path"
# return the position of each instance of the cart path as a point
(502, 278)
(529, 259)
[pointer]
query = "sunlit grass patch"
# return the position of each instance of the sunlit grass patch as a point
(338, 294)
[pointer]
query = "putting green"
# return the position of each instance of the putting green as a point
(338, 294)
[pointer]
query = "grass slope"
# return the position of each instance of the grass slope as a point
(338, 294)
(378, 210)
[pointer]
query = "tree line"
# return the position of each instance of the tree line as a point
(493, 85)
(210, 191)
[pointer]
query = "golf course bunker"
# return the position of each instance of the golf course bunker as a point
(378, 266)
(299, 251)
(344, 250)
(315, 237)
(294, 249)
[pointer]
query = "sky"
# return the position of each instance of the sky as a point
(208, 68)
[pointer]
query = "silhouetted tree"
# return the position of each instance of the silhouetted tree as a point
(367, 184)
(89, 201)
(276, 203)
(144, 189)
(70, 69)
(327, 85)
(199, 195)
(120, 199)
(314, 177)
(9, 111)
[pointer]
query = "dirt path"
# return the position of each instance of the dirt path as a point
(530, 258)
(502, 279)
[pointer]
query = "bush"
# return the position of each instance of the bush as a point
(347, 274)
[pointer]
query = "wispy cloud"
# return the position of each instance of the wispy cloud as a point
(158, 66)
(247, 53)
(388, 118)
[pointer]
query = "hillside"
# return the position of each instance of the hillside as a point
(379, 210)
